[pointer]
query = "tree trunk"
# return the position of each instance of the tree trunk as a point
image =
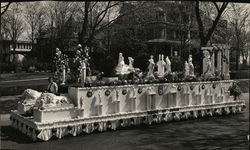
(204, 39)
(14, 55)
(84, 31)
(1, 40)
(237, 60)
(237, 48)
(32, 35)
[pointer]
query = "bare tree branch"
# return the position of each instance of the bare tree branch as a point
(5, 8)
(93, 5)
(199, 21)
(216, 6)
(205, 38)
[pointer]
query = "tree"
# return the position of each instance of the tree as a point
(58, 13)
(185, 24)
(98, 16)
(35, 18)
(208, 15)
(238, 17)
(14, 25)
(3, 8)
(203, 34)
(55, 30)
(95, 19)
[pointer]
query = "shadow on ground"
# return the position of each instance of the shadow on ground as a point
(7, 106)
(9, 133)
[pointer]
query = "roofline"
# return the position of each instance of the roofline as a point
(25, 42)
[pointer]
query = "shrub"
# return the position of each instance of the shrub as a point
(109, 66)
(27, 63)
(235, 90)
(6, 68)
(141, 61)
(177, 64)
(97, 59)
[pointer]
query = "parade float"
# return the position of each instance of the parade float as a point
(153, 97)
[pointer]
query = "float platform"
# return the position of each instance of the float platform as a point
(111, 107)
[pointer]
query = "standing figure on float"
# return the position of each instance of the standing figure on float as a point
(151, 67)
(208, 66)
(168, 66)
(161, 66)
(191, 66)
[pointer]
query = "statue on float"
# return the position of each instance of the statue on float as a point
(208, 65)
(131, 62)
(191, 66)
(186, 69)
(151, 67)
(168, 66)
(40, 99)
(82, 61)
(161, 66)
(61, 63)
(121, 67)
(83, 74)
(121, 62)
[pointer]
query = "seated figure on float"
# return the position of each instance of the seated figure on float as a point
(121, 67)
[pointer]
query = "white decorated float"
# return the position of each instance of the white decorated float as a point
(88, 109)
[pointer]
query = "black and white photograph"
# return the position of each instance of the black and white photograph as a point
(124, 75)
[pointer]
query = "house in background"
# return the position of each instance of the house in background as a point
(163, 27)
(7, 51)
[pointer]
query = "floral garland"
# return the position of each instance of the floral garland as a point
(82, 58)
(235, 90)
(61, 63)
